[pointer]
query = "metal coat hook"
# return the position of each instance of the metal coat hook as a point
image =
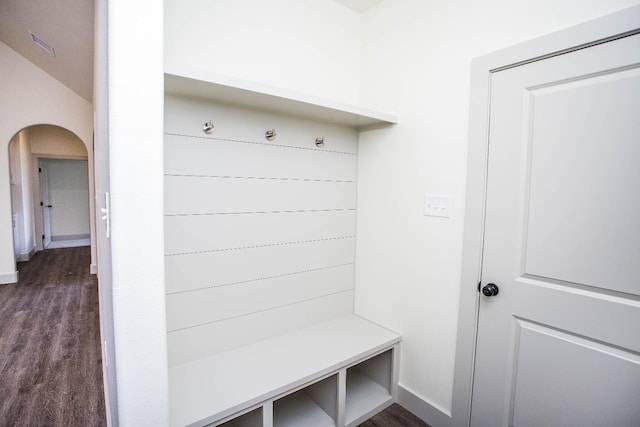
(270, 134)
(208, 127)
(320, 142)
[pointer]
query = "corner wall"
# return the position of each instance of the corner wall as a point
(134, 100)
(21, 203)
(416, 62)
(30, 96)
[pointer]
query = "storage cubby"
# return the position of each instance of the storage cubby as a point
(313, 406)
(369, 387)
(250, 419)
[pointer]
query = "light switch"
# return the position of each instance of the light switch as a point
(435, 205)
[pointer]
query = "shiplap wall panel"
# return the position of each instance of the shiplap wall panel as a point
(188, 195)
(226, 302)
(185, 116)
(223, 268)
(195, 343)
(260, 235)
(204, 156)
(197, 233)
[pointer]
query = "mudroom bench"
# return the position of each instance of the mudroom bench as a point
(336, 373)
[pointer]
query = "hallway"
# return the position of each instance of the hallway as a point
(50, 356)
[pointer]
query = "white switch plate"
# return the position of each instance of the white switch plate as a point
(437, 206)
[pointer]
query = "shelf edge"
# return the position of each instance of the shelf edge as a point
(258, 96)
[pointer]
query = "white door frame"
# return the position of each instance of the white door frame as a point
(608, 27)
(45, 214)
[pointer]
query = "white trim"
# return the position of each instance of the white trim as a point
(6, 279)
(601, 29)
(24, 257)
(428, 412)
(59, 156)
(93, 269)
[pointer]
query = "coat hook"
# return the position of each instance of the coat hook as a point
(208, 127)
(320, 142)
(270, 135)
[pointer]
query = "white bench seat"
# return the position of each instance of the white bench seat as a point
(219, 387)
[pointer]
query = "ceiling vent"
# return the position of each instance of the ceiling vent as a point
(37, 40)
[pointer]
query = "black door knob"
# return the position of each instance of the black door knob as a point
(490, 290)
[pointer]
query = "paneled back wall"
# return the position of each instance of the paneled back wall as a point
(259, 235)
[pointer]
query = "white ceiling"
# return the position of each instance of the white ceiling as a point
(65, 25)
(359, 5)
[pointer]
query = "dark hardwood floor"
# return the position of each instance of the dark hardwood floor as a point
(394, 416)
(50, 357)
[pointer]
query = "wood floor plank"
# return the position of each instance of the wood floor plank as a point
(50, 357)
(394, 416)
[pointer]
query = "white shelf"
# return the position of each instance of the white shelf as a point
(217, 387)
(257, 96)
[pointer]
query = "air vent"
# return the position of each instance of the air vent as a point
(37, 40)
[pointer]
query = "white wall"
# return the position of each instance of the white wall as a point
(20, 207)
(30, 96)
(27, 184)
(53, 141)
(304, 46)
(135, 119)
(103, 244)
(22, 188)
(416, 62)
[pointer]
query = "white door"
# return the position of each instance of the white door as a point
(559, 344)
(65, 199)
(45, 202)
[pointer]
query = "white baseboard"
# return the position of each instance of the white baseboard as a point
(427, 412)
(70, 237)
(93, 269)
(8, 278)
(26, 256)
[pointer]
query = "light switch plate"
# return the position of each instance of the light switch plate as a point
(436, 205)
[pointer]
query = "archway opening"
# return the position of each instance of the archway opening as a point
(49, 189)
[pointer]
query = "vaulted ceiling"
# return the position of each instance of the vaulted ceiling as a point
(64, 25)
(67, 27)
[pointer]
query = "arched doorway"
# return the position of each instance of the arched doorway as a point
(48, 164)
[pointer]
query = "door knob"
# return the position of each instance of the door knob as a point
(490, 290)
